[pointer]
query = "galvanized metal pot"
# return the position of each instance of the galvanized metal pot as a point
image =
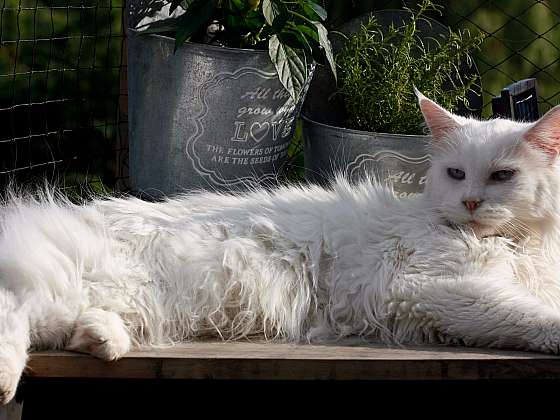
(204, 117)
(400, 159)
(331, 149)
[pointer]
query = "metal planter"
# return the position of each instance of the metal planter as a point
(401, 160)
(331, 149)
(204, 117)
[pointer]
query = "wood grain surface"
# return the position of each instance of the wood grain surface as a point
(271, 361)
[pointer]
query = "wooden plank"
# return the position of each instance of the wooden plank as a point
(11, 411)
(271, 361)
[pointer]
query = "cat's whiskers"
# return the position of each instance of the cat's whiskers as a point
(518, 230)
(509, 230)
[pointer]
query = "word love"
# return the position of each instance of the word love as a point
(259, 130)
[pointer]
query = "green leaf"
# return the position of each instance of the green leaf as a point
(253, 4)
(297, 40)
(310, 33)
(310, 39)
(326, 45)
(272, 9)
(196, 16)
(238, 4)
(170, 24)
(174, 5)
(279, 22)
(292, 71)
(166, 25)
(322, 13)
(293, 39)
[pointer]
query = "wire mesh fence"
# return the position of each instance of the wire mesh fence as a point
(60, 67)
(522, 40)
(63, 77)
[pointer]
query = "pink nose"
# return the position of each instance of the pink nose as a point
(472, 205)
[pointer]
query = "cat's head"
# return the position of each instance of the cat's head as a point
(496, 176)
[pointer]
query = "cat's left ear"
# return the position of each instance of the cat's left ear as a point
(439, 120)
(545, 133)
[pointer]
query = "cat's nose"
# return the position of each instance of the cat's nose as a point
(472, 205)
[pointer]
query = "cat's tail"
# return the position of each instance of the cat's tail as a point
(45, 240)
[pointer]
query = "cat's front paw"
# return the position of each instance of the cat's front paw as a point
(101, 334)
(11, 367)
(548, 342)
(549, 347)
(8, 384)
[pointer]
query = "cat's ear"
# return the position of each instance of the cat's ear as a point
(440, 121)
(545, 133)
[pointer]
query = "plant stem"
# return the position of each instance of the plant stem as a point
(301, 17)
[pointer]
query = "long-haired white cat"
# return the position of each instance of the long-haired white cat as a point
(475, 260)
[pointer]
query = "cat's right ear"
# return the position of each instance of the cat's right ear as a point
(440, 121)
(545, 133)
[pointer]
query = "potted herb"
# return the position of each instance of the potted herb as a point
(370, 121)
(215, 87)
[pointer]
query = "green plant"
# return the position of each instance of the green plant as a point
(291, 30)
(378, 68)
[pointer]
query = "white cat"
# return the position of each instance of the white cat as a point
(474, 260)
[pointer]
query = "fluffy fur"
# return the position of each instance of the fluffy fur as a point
(299, 263)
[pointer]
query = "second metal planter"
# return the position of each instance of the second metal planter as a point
(400, 159)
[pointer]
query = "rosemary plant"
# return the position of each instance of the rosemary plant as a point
(378, 68)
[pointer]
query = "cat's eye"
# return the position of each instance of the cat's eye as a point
(456, 173)
(502, 176)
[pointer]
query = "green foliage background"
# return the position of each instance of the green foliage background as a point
(65, 57)
(523, 39)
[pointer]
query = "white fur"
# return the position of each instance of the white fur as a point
(300, 263)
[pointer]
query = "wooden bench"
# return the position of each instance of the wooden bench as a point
(258, 361)
(267, 361)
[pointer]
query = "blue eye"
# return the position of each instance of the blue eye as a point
(456, 173)
(503, 175)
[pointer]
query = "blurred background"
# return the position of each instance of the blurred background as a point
(63, 77)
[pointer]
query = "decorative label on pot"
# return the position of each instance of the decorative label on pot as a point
(243, 129)
(407, 174)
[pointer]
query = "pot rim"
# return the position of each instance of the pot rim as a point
(201, 45)
(362, 132)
